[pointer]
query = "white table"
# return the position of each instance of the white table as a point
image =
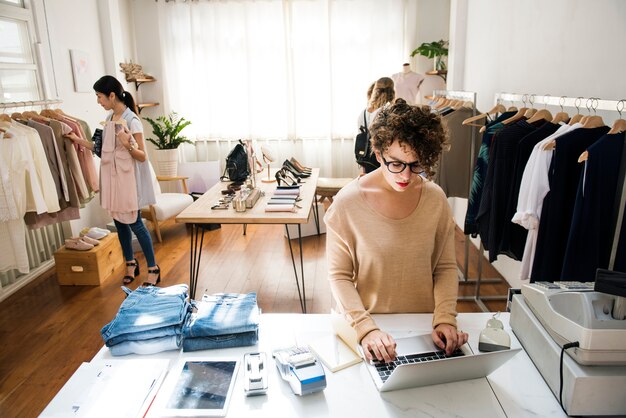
(514, 390)
(199, 213)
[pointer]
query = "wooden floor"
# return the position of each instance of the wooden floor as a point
(47, 330)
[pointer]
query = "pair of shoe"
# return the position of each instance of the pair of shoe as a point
(288, 165)
(286, 178)
(129, 279)
(94, 232)
(81, 243)
(299, 166)
(154, 270)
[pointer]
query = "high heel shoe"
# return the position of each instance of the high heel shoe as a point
(287, 165)
(300, 166)
(283, 178)
(154, 270)
(129, 279)
(289, 176)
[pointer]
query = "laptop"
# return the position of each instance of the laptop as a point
(420, 362)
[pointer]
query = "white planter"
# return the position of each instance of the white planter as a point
(167, 161)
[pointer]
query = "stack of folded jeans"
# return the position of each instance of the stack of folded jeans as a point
(222, 320)
(150, 320)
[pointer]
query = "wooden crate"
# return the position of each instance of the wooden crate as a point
(91, 267)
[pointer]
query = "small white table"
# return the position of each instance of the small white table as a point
(514, 390)
(199, 213)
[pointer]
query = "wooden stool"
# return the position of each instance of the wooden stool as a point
(328, 187)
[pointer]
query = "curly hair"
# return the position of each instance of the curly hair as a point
(414, 128)
(383, 92)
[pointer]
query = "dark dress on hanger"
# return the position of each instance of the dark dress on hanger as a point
(591, 234)
(558, 205)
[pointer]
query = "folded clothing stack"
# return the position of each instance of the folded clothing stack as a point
(284, 199)
(150, 320)
(222, 320)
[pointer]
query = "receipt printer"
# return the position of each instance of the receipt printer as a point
(301, 369)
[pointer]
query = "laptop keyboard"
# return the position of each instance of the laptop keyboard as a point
(385, 369)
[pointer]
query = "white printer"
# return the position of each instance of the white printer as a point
(546, 316)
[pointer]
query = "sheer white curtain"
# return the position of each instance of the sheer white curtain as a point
(278, 69)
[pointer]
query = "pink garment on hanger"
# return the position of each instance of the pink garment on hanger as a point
(118, 187)
(85, 157)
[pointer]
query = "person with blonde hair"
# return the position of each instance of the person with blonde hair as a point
(382, 92)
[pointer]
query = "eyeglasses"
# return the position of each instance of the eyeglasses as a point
(397, 167)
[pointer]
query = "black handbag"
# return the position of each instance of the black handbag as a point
(363, 153)
(237, 168)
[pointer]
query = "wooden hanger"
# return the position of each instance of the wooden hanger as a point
(619, 126)
(593, 122)
(36, 116)
(541, 114)
(530, 113)
(499, 108)
(575, 119)
(49, 113)
(520, 114)
(560, 117)
(17, 116)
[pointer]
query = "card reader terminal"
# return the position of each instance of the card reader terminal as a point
(301, 369)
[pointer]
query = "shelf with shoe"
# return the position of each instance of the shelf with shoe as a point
(90, 264)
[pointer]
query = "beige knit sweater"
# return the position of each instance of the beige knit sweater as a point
(382, 265)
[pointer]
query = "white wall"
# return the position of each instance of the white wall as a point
(560, 47)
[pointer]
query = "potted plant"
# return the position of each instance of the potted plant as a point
(436, 50)
(167, 130)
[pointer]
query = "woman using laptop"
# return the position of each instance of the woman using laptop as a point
(390, 235)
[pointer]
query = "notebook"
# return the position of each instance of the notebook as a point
(421, 363)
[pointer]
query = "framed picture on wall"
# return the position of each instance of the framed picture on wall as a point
(81, 71)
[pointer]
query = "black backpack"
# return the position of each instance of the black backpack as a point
(363, 153)
(237, 168)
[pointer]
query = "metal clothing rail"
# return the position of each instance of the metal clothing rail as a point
(9, 105)
(463, 276)
(590, 103)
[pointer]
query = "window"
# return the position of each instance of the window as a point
(19, 80)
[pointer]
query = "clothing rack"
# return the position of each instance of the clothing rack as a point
(10, 105)
(40, 243)
(470, 96)
(591, 103)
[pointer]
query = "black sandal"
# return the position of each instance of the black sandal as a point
(153, 270)
(129, 279)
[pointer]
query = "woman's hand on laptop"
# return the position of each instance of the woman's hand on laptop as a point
(378, 345)
(447, 337)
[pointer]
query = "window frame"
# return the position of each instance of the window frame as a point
(25, 13)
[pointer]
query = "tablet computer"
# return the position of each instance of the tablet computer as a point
(199, 387)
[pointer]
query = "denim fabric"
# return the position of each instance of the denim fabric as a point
(223, 313)
(146, 335)
(241, 339)
(152, 346)
(149, 308)
(143, 236)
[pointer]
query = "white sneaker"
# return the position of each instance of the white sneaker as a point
(94, 232)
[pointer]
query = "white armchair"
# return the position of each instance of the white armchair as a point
(167, 205)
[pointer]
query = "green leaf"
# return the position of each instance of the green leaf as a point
(167, 130)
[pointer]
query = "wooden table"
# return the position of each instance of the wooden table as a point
(199, 214)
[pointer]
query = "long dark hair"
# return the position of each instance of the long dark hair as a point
(108, 84)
